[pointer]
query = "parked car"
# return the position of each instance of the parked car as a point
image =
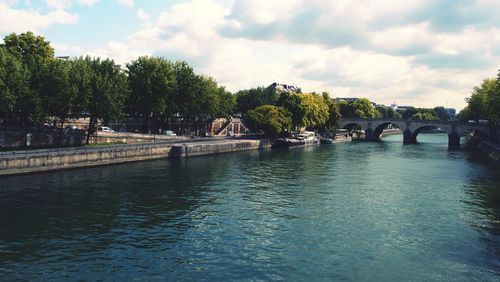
(169, 133)
(106, 129)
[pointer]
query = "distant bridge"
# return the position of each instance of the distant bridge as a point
(411, 128)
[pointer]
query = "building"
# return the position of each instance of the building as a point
(285, 87)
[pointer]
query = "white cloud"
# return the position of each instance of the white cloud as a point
(64, 4)
(88, 2)
(142, 15)
(394, 52)
(126, 3)
(58, 4)
(120, 52)
(18, 20)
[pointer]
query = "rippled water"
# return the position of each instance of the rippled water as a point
(358, 211)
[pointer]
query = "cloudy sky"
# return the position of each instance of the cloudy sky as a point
(413, 52)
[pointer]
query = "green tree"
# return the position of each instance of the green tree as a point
(80, 80)
(255, 97)
(152, 83)
(14, 80)
(359, 108)
(333, 113)
(425, 114)
(56, 93)
(442, 113)
(34, 51)
(109, 90)
(387, 112)
(185, 92)
(479, 102)
(270, 119)
(316, 109)
(408, 112)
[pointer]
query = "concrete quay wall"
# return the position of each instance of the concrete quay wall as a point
(45, 160)
(209, 148)
(492, 150)
(29, 161)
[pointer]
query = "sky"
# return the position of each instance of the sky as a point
(423, 53)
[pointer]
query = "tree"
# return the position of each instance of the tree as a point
(359, 108)
(387, 112)
(34, 52)
(255, 97)
(316, 110)
(109, 90)
(184, 94)
(56, 93)
(442, 113)
(333, 113)
(408, 112)
(80, 79)
(425, 115)
(479, 101)
(270, 119)
(152, 83)
(14, 79)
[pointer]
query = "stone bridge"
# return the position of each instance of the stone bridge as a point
(411, 128)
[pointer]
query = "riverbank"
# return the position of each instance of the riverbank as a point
(492, 149)
(29, 161)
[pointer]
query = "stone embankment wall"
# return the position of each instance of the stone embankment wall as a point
(209, 148)
(16, 162)
(43, 160)
(492, 149)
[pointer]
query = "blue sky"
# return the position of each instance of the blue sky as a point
(414, 52)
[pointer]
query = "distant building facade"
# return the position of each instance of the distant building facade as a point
(285, 87)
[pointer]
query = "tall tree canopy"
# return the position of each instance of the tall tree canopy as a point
(359, 108)
(255, 97)
(14, 85)
(272, 120)
(152, 83)
(109, 90)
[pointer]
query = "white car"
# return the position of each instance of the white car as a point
(106, 129)
(169, 133)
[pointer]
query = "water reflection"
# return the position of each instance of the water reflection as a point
(355, 211)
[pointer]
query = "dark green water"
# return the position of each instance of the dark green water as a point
(359, 211)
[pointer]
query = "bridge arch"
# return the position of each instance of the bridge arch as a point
(352, 126)
(377, 132)
(411, 128)
(453, 135)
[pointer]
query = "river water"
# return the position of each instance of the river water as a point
(358, 211)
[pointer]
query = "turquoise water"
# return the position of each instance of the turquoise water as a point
(358, 211)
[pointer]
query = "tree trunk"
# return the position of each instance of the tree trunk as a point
(60, 132)
(90, 129)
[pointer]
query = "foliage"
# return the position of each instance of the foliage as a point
(14, 79)
(271, 119)
(109, 89)
(484, 103)
(152, 83)
(387, 112)
(359, 108)
(442, 113)
(333, 113)
(34, 53)
(308, 110)
(255, 97)
(425, 114)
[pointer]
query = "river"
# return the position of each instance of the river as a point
(357, 211)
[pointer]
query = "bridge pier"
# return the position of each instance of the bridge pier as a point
(369, 136)
(453, 141)
(408, 137)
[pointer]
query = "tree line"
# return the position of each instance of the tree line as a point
(36, 87)
(484, 105)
